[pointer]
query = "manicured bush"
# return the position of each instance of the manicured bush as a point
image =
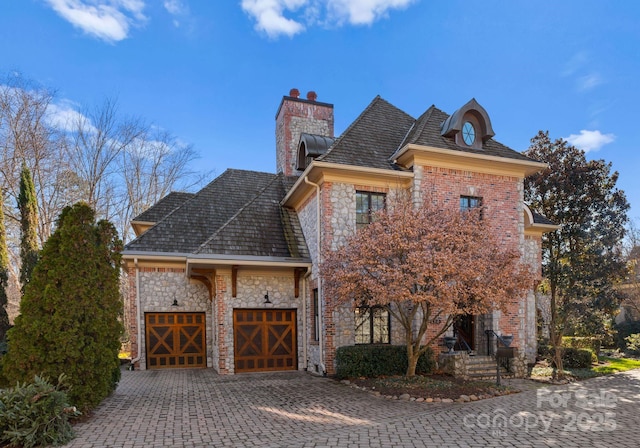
(633, 344)
(36, 414)
(377, 360)
(592, 343)
(68, 320)
(575, 358)
(572, 358)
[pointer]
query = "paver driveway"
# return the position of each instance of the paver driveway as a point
(197, 408)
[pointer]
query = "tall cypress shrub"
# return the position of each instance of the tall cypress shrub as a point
(68, 320)
(28, 206)
(4, 273)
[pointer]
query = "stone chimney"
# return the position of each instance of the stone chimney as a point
(297, 116)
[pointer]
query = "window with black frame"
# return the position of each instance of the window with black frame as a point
(367, 204)
(468, 203)
(372, 325)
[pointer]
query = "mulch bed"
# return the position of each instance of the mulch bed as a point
(434, 387)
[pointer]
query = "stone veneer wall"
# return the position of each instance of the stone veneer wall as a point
(533, 256)
(251, 288)
(159, 287)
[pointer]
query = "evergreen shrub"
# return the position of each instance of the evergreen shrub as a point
(69, 313)
(378, 360)
(36, 414)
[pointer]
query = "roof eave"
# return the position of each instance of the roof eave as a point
(316, 169)
(406, 153)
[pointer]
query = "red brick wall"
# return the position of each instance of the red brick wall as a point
(295, 117)
(502, 207)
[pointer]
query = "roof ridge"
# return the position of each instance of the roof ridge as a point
(424, 119)
(240, 210)
(377, 99)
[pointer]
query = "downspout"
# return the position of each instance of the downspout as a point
(139, 343)
(320, 297)
(304, 322)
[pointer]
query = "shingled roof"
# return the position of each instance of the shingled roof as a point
(163, 207)
(382, 129)
(238, 213)
(372, 138)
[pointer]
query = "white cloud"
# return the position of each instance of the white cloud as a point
(364, 12)
(178, 9)
(109, 20)
(590, 140)
(276, 17)
(65, 116)
(269, 15)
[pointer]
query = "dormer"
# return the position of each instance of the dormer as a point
(311, 146)
(469, 126)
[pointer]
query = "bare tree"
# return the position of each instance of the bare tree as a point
(150, 168)
(631, 285)
(98, 138)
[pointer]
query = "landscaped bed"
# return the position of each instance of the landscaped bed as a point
(431, 388)
(439, 388)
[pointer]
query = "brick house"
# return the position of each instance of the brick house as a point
(228, 277)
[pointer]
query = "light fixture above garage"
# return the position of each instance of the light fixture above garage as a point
(266, 298)
(175, 302)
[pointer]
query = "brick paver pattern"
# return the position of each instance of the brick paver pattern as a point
(198, 408)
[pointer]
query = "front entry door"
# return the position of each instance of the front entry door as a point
(464, 329)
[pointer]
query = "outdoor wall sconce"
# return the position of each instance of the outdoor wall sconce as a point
(175, 302)
(266, 298)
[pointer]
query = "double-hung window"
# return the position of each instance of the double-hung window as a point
(367, 204)
(372, 325)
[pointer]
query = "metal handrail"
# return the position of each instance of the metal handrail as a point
(461, 338)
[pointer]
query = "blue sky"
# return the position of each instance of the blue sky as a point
(213, 72)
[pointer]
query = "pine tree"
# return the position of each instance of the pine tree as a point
(4, 273)
(68, 320)
(28, 206)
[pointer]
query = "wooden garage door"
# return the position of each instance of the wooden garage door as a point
(264, 340)
(175, 340)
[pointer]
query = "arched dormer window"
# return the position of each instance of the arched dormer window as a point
(469, 126)
(310, 147)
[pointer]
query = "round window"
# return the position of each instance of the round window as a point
(468, 133)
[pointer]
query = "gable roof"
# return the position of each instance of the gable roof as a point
(163, 207)
(237, 214)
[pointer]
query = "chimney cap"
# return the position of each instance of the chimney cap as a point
(295, 93)
(312, 96)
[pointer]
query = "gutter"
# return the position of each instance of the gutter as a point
(320, 296)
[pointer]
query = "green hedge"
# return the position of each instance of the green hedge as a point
(592, 343)
(572, 358)
(377, 360)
